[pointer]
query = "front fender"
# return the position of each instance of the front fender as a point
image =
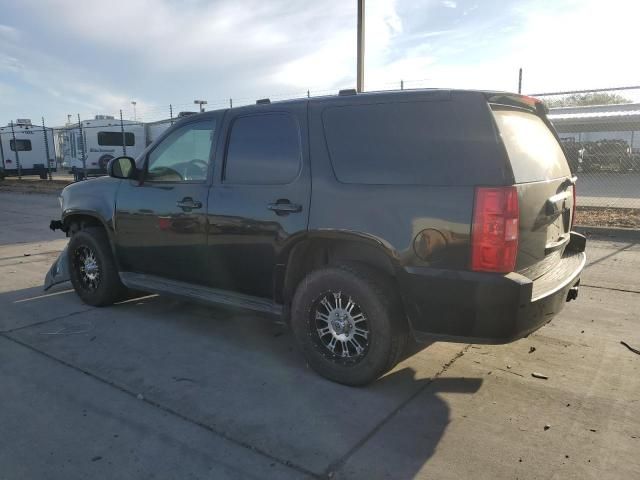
(59, 271)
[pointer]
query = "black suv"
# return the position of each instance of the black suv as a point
(360, 219)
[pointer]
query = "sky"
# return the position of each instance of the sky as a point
(60, 57)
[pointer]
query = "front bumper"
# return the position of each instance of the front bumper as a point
(59, 271)
(488, 308)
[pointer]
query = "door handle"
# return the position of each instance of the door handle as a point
(284, 207)
(188, 204)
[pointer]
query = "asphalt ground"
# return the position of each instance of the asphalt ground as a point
(163, 389)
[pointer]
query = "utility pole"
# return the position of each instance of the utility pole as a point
(15, 149)
(124, 139)
(134, 103)
(82, 152)
(360, 61)
(201, 103)
(46, 149)
(520, 81)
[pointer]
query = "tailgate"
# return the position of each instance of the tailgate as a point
(545, 188)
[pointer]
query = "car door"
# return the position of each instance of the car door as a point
(161, 221)
(260, 198)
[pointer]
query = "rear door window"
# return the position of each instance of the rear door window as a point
(419, 143)
(263, 149)
(533, 150)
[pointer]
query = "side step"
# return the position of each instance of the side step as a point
(197, 293)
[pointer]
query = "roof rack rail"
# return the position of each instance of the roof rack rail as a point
(263, 101)
(347, 91)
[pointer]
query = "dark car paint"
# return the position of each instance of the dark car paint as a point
(236, 243)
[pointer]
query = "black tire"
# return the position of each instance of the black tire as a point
(100, 285)
(375, 297)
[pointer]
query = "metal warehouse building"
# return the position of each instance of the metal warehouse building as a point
(601, 122)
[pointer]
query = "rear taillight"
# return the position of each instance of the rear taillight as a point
(573, 208)
(494, 234)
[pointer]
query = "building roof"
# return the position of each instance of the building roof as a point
(595, 118)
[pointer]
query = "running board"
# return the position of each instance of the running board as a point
(197, 293)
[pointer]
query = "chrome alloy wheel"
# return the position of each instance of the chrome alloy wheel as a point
(341, 326)
(88, 268)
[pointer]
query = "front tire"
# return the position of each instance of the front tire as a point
(92, 268)
(349, 323)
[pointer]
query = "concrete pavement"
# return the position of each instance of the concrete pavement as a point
(158, 388)
(609, 189)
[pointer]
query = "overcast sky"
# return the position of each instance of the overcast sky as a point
(91, 57)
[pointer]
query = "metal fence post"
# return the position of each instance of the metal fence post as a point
(230, 103)
(82, 148)
(171, 113)
(124, 140)
(46, 149)
(401, 84)
(520, 81)
(1, 154)
(15, 148)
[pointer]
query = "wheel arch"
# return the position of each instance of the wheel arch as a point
(88, 218)
(318, 249)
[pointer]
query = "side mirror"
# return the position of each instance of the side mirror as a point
(122, 167)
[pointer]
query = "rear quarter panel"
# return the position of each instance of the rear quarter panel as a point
(392, 215)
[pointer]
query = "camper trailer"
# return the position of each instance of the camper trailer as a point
(101, 140)
(23, 150)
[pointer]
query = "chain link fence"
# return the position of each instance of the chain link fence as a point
(599, 130)
(600, 133)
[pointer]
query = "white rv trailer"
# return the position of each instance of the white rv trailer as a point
(154, 130)
(28, 149)
(102, 139)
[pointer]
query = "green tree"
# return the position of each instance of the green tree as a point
(584, 99)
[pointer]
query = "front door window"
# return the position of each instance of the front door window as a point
(184, 156)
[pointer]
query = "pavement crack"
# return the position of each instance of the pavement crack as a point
(43, 322)
(335, 466)
(124, 389)
(609, 288)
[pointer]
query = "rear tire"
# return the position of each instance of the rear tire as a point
(92, 268)
(365, 331)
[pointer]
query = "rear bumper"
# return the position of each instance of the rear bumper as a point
(488, 308)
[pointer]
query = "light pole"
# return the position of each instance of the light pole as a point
(201, 103)
(360, 61)
(134, 103)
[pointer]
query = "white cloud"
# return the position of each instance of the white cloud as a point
(449, 4)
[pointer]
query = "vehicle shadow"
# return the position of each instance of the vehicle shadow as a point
(402, 444)
(241, 376)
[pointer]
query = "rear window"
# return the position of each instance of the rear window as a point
(20, 145)
(533, 150)
(414, 143)
(114, 139)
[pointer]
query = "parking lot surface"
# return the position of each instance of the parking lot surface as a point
(609, 189)
(159, 388)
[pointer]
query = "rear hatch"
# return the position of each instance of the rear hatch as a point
(543, 181)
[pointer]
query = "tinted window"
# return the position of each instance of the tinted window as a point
(114, 139)
(184, 155)
(23, 145)
(533, 150)
(263, 149)
(423, 143)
